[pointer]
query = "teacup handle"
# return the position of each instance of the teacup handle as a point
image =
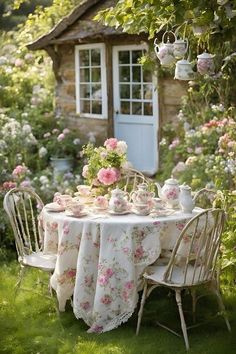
(133, 195)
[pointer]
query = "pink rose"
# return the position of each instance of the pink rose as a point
(139, 252)
(9, 185)
(71, 273)
(85, 305)
(107, 176)
(109, 272)
(103, 279)
(19, 170)
(111, 143)
(129, 284)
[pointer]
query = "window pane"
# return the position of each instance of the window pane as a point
(85, 106)
(147, 92)
(137, 108)
(147, 75)
(124, 57)
(136, 55)
(85, 91)
(96, 92)
(96, 75)
(136, 72)
(136, 91)
(125, 91)
(125, 107)
(84, 57)
(148, 109)
(84, 75)
(124, 73)
(95, 57)
(96, 107)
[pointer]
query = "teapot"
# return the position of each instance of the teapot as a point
(142, 195)
(183, 70)
(169, 193)
(164, 51)
(205, 63)
(119, 201)
(180, 48)
(185, 199)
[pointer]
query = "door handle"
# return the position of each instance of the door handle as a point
(117, 112)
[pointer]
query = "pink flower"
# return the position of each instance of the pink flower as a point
(71, 273)
(129, 284)
(19, 62)
(111, 143)
(107, 176)
(19, 170)
(88, 280)
(85, 305)
(61, 137)
(106, 299)
(9, 185)
(139, 252)
(85, 171)
(103, 280)
(109, 272)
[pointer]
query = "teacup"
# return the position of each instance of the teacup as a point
(63, 199)
(75, 208)
(101, 202)
(142, 209)
(157, 204)
(84, 191)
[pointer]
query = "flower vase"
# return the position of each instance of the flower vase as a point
(61, 165)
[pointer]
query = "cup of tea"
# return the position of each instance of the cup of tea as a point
(142, 209)
(75, 208)
(84, 190)
(101, 202)
(63, 199)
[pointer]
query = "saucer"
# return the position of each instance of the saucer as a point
(112, 212)
(69, 213)
(54, 207)
(163, 212)
(140, 213)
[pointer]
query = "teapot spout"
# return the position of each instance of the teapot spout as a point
(159, 189)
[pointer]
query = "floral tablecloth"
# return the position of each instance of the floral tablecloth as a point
(100, 261)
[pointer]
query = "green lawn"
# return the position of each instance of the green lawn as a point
(31, 324)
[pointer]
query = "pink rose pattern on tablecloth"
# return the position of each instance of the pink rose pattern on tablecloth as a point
(106, 264)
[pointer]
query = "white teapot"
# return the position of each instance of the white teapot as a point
(142, 195)
(119, 201)
(185, 199)
(183, 70)
(180, 48)
(169, 193)
(205, 64)
(165, 50)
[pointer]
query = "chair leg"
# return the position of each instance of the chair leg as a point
(183, 324)
(18, 284)
(194, 302)
(140, 313)
(222, 307)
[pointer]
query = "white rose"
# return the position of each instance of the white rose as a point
(121, 147)
(42, 152)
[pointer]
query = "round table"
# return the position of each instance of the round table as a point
(101, 259)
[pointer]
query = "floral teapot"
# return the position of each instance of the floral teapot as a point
(169, 193)
(118, 202)
(183, 70)
(142, 195)
(165, 50)
(205, 63)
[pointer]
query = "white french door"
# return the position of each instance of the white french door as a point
(135, 107)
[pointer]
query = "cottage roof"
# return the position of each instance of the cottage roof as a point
(63, 31)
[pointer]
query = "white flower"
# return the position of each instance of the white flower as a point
(126, 165)
(42, 152)
(121, 147)
(43, 179)
(91, 137)
(26, 129)
(76, 141)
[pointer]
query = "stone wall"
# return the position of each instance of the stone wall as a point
(170, 93)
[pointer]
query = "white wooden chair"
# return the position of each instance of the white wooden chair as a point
(131, 178)
(23, 206)
(205, 197)
(193, 263)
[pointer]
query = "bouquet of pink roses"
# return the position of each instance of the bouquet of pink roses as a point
(104, 163)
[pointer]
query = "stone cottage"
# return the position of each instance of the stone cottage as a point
(101, 86)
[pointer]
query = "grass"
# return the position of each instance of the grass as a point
(30, 323)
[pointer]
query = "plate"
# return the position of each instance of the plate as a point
(69, 213)
(120, 213)
(164, 212)
(54, 207)
(138, 213)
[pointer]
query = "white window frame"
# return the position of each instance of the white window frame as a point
(100, 46)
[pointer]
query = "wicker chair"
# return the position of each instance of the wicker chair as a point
(22, 206)
(193, 263)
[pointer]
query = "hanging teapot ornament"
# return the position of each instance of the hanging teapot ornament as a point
(165, 50)
(205, 63)
(180, 47)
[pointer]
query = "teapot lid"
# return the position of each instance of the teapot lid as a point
(183, 62)
(171, 181)
(185, 187)
(206, 55)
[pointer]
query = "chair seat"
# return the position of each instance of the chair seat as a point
(156, 274)
(40, 260)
